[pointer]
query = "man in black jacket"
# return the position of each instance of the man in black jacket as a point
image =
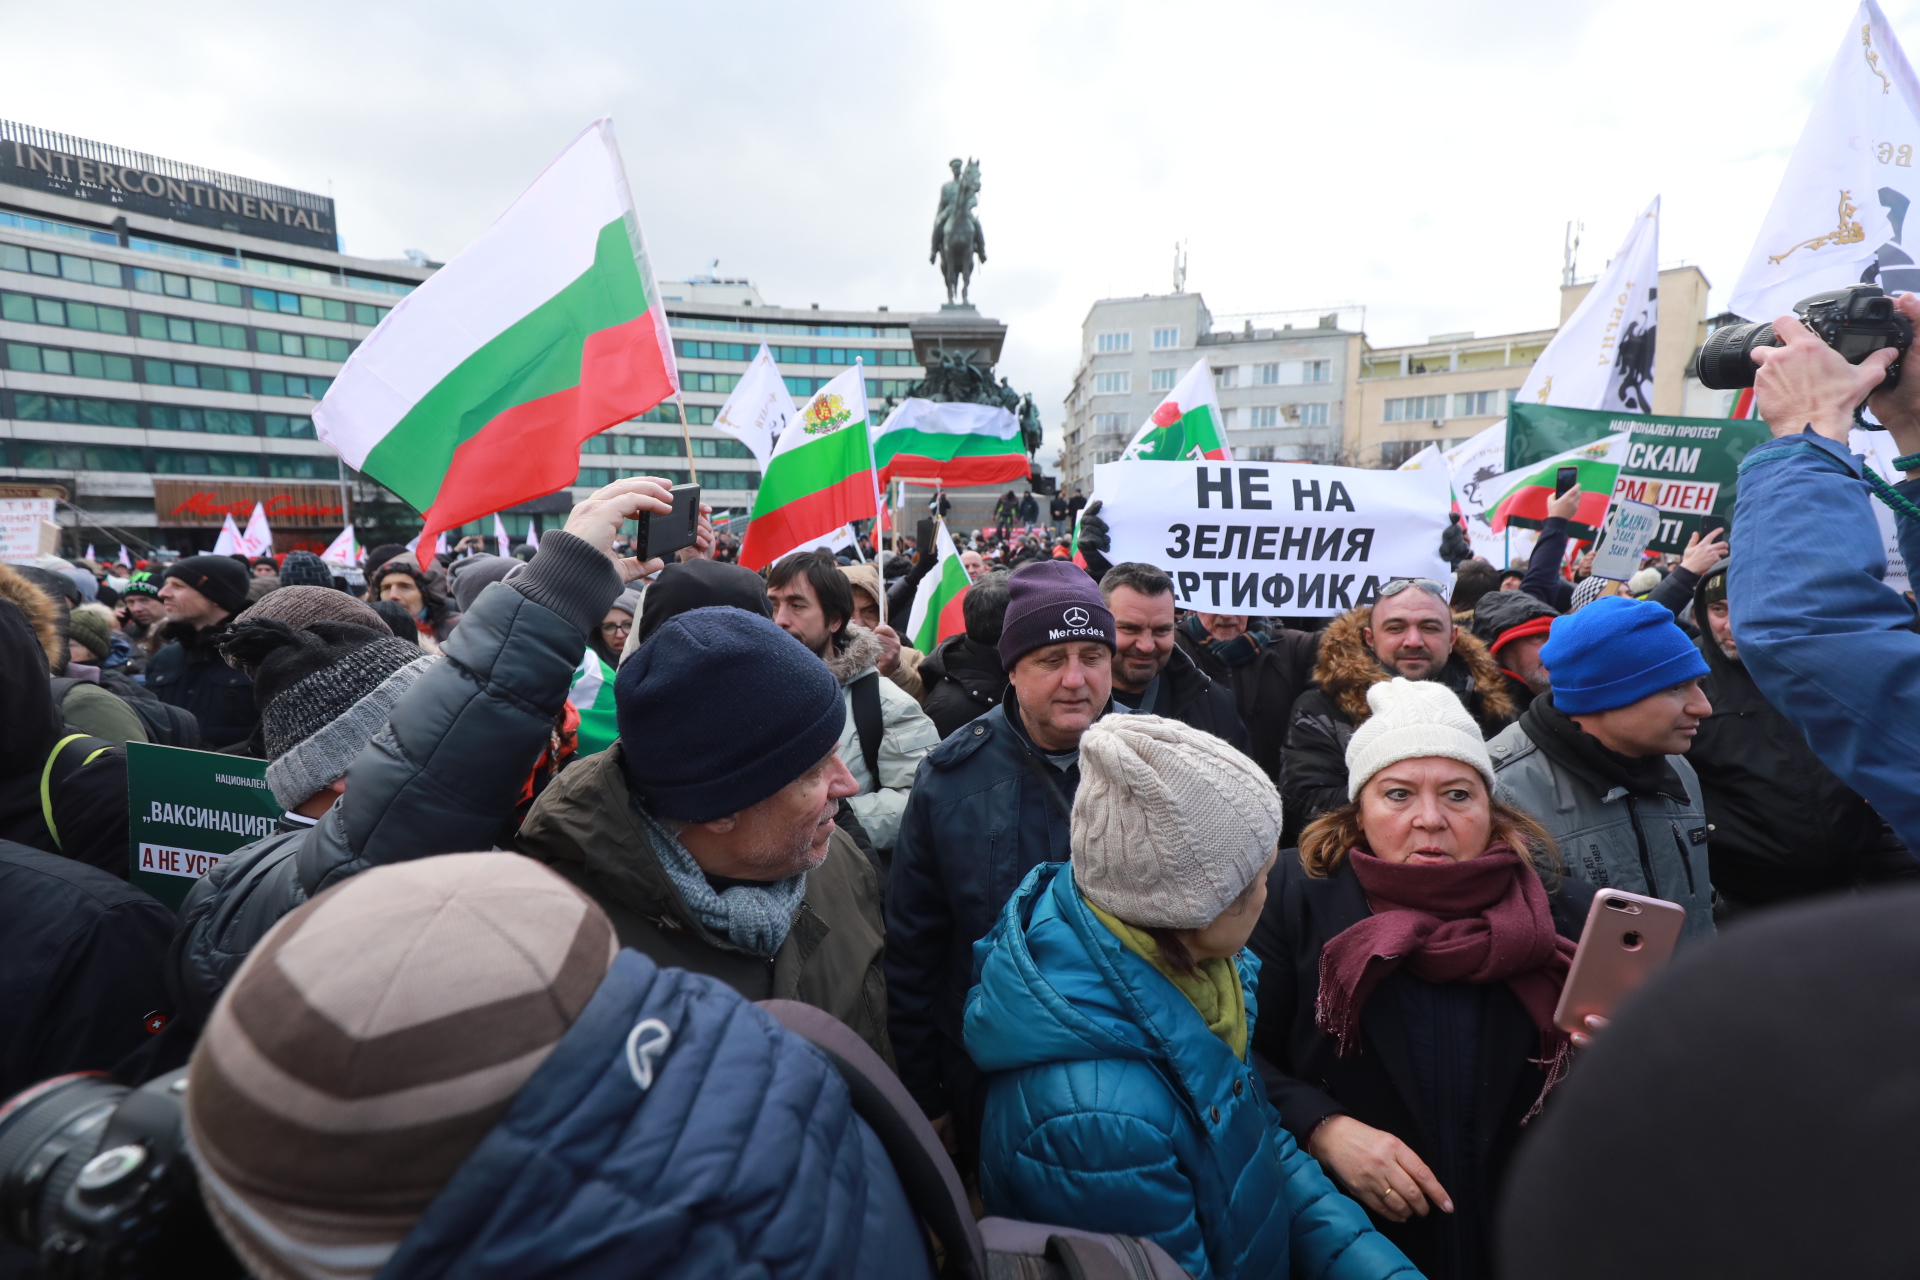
(448, 767)
(201, 594)
(1784, 826)
(1150, 674)
(1267, 673)
(962, 678)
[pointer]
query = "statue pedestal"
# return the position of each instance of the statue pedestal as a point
(958, 328)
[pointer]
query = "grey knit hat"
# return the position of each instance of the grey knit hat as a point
(323, 692)
(305, 569)
(1170, 824)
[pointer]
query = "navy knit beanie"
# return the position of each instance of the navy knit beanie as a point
(1616, 651)
(718, 710)
(1050, 602)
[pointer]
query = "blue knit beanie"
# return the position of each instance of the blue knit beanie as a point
(718, 710)
(1616, 651)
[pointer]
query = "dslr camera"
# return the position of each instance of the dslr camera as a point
(1855, 321)
(95, 1178)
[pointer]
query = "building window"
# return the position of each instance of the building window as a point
(27, 358)
(1415, 409)
(1105, 342)
(1164, 339)
(310, 346)
(1112, 384)
(1253, 453)
(1395, 452)
(48, 456)
(65, 315)
(293, 428)
(1477, 404)
(1263, 415)
(1512, 394)
(1266, 375)
(1099, 458)
(101, 413)
(223, 422)
(1227, 378)
(700, 415)
(1313, 415)
(1227, 419)
(299, 386)
(1316, 370)
(1109, 424)
(1163, 379)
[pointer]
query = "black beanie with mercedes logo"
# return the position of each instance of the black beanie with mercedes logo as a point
(1052, 602)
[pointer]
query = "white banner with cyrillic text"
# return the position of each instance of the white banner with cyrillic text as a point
(1275, 539)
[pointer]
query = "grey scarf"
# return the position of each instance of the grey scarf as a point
(754, 920)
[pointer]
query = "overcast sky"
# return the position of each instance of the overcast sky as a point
(1420, 159)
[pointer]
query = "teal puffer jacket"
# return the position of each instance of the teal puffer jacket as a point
(1112, 1107)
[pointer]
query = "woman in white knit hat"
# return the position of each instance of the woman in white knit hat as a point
(1112, 1009)
(1412, 954)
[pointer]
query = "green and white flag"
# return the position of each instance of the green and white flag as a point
(936, 608)
(592, 696)
(1186, 425)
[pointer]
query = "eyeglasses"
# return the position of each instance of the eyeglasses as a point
(1428, 585)
(614, 628)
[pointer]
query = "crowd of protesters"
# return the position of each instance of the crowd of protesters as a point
(1135, 937)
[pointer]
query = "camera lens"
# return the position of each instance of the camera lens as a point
(47, 1134)
(1726, 357)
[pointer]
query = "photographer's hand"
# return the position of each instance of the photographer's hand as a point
(1808, 383)
(1899, 409)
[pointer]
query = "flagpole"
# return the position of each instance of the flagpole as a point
(686, 436)
(873, 473)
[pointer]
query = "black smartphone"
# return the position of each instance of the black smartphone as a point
(923, 539)
(1565, 479)
(1709, 523)
(675, 530)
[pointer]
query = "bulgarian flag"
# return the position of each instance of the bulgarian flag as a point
(956, 444)
(591, 694)
(475, 393)
(819, 477)
(1524, 493)
(1186, 425)
(936, 608)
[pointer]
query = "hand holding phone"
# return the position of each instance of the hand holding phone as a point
(660, 535)
(1564, 479)
(1628, 938)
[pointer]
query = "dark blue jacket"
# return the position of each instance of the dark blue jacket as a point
(977, 821)
(742, 1156)
(1112, 1107)
(1831, 647)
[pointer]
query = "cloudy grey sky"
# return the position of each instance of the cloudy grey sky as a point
(1418, 158)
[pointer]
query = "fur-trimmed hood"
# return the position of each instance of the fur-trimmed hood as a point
(862, 652)
(41, 615)
(1347, 669)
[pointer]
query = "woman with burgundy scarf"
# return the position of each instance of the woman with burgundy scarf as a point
(1412, 955)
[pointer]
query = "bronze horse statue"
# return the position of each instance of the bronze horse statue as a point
(957, 238)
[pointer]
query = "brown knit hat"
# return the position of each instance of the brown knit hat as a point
(301, 606)
(370, 1042)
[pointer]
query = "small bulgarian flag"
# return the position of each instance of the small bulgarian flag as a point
(936, 609)
(1525, 493)
(476, 393)
(956, 444)
(592, 696)
(1186, 425)
(819, 477)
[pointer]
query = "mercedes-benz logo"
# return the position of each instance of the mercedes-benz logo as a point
(1075, 617)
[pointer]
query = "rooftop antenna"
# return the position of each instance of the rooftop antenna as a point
(1570, 253)
(1180, 266)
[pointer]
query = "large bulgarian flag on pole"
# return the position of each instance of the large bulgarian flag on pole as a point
(1186, 425)
(936, 608)
(819, 477)
(956, 444)
(1523, 494)
(475, 393)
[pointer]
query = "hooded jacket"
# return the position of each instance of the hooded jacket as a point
(1783, 826)
(440, 778)
(906, 735)
(866, 578)
(584, 826)
(963, 681)
(1314, 770)
(1265, 688)
(737, 1153)
(1112, 1107)
(1499, 612)
(188, 672)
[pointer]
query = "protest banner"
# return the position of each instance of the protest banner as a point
(1630, 527)
(186, 810)
(1255, 538)
(1687, 467)
(21, 520)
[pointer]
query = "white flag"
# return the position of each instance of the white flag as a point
(759, 408)
(500, 537)
(228, 543)
(1602, 358)
(339, 552)
(125, 559)
(533, 537)
(90, 554)
(258, 539)
(1841, 212)
(439, 545)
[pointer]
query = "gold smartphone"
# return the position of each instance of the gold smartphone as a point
(1627, 939)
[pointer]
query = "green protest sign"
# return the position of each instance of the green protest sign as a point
(1686, 467)
(187, 810)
